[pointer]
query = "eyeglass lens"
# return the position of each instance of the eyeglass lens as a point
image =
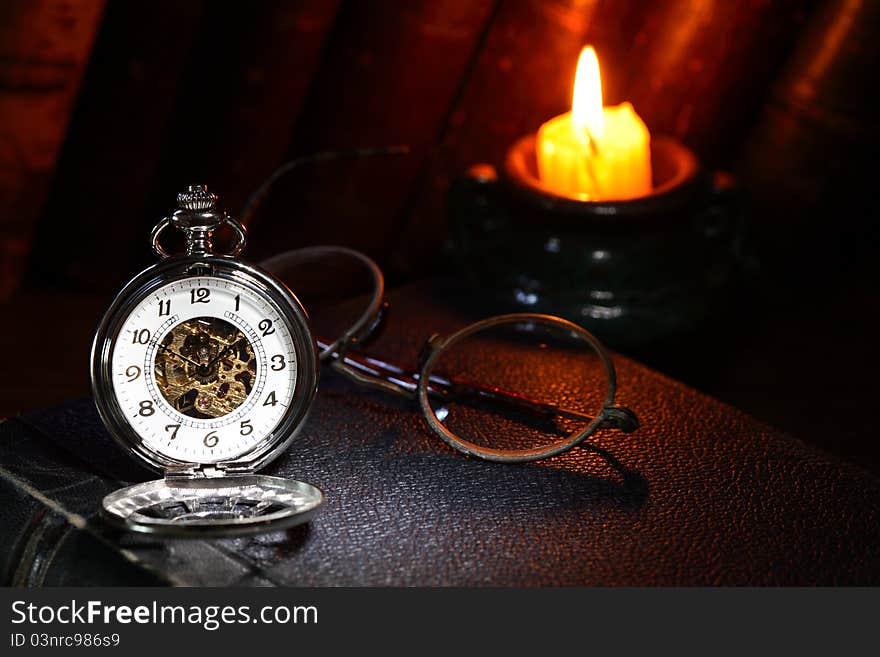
(518, 386)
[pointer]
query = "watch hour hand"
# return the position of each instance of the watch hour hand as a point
(223, 353)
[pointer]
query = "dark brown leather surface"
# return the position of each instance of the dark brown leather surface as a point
(701, 494)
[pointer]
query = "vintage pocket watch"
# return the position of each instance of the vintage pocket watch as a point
(204, 369)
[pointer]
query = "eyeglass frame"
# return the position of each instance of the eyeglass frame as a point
(371, 320)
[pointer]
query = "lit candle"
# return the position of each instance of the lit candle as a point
(594, 152)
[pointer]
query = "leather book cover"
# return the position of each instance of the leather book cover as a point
(701, 494)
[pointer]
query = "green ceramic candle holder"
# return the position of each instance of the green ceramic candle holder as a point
(632, 271)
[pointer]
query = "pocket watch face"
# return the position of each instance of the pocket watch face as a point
(203, 369)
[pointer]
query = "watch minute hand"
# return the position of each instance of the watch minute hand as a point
(174, 353)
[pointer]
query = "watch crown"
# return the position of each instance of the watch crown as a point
(197, 198)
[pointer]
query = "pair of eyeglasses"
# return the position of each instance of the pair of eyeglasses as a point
(510, 388)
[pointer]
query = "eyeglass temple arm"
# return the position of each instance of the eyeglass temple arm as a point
(383, 375)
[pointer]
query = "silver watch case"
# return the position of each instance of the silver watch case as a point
(222, 498)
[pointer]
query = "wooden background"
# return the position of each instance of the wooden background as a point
(107, 109)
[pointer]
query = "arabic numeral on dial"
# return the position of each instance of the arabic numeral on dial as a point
(132, 372)
(237, 302)
(246, 428)
(173, 428)
(200, 295)
(278, 362)
(211, 439)
(266, 327)
(141, 336)
(146, 408)
(164, 307)
(270, 400)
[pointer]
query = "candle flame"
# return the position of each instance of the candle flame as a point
(586, 100)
